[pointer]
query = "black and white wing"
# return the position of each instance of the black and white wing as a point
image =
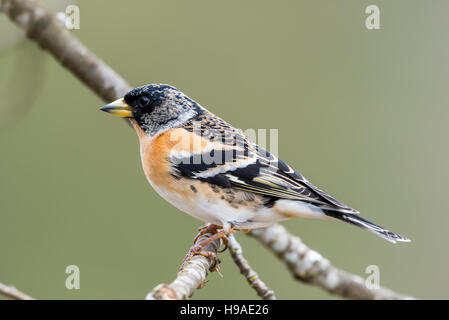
(231, 161)
(235, 162)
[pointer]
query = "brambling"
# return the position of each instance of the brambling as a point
(210, 170)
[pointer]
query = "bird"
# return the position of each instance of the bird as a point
(210, 170)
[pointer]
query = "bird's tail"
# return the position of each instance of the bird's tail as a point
(357, 220)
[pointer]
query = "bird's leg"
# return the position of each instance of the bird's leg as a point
(226, 241)
(197, 249)
(207, 228)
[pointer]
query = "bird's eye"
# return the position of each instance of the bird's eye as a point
(143, 101)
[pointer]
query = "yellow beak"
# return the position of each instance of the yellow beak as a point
(119, 108)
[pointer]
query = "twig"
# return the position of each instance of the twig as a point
(42, 26)
(247, 271)
(13, 293)
(311, 267)
(189, 279)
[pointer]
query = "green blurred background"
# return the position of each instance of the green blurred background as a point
(361, 113)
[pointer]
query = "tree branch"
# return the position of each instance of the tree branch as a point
(13, 293)
(42, 26)
(311, 267)
(191, 277)
(247, 271)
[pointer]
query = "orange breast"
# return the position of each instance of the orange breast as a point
(155, 154)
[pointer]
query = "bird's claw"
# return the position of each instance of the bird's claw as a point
(197, 248)
(208, 228)
(211, 228)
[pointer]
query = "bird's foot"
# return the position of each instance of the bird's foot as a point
(207, 228)
(213, 229)
(197, 249)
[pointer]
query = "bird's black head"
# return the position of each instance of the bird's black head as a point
(156, 108)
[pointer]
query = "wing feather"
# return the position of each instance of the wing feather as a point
(248, 167)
